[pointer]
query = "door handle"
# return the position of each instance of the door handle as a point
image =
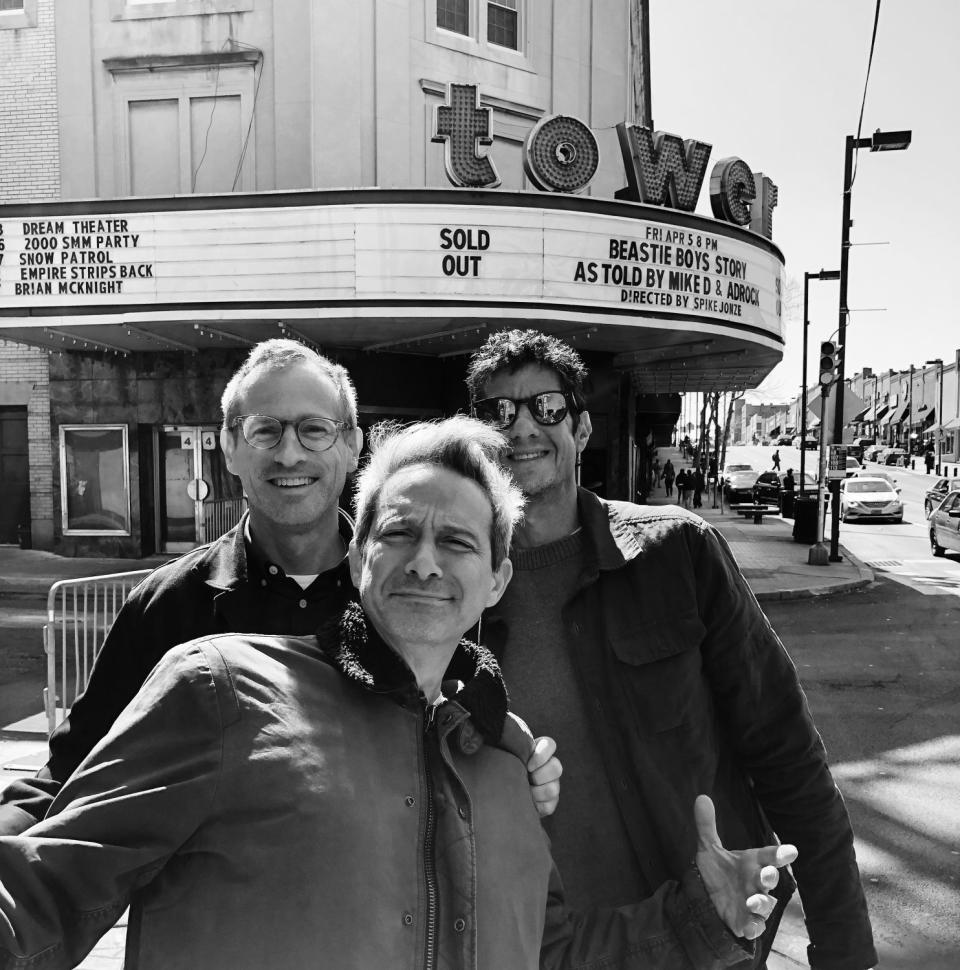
(197, 489)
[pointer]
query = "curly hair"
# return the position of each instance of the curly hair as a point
(511, 350)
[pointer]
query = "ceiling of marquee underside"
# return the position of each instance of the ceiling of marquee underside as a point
(659, 358)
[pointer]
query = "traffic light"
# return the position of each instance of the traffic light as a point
(829, 359)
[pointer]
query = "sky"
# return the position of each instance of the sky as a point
(779, 83)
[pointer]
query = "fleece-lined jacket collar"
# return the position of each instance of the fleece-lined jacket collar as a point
(474, 682)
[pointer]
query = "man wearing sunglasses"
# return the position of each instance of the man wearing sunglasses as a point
(290, 435)
(630, 635)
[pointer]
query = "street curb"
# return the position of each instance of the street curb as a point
(865, 578)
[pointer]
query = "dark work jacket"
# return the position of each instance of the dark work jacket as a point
(692, 692)
(292, 802)
(216, 588)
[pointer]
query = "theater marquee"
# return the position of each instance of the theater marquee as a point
(622, 259)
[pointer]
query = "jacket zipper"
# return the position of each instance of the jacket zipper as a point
(429, 860)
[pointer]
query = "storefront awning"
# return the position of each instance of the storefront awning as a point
(952, 425)
(881, 412)
(896, 415)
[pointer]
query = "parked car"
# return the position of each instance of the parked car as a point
(785, 440)
(944, 524)
(864, 473)
(811, 443)
(871, 452)
(893, 456)
(769, 485)
(935, 495)
(738, 482)
(732, 467)
(853, 466)
(869, 498)
(863, 443)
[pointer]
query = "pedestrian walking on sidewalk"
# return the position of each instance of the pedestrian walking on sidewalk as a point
(657, 471)
(776, 460)
(699, 484)
(929, 460)
(682, 487)
(638, 618)
(235, 835)
(668, 476)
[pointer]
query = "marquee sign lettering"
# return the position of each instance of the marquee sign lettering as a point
(560, 154)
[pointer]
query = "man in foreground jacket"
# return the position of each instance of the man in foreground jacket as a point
(335, 800)
(629, 634)
(290, 435)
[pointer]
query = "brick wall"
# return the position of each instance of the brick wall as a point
(30, 169)
(29, 149)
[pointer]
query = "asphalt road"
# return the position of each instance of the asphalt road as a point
(881, 668)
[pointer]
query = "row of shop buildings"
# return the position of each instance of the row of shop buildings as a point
(386, 182)
(917, 409)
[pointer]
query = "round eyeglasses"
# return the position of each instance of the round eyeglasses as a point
(547, 408)
(264, 431)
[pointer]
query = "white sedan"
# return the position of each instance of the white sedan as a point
(869, 498)
(869, 473)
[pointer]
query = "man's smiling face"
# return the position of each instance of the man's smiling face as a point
(289, 486)
(541, 458)
(425, 574)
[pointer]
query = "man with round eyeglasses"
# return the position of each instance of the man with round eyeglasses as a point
(630, 635)
(290, 435)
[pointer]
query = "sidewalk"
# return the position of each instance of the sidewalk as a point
(774, 564)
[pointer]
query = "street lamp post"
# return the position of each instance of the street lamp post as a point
(910, 419)
(939, 360)
(824, 274)
(879, 141)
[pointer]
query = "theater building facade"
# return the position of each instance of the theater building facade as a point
(388, 183)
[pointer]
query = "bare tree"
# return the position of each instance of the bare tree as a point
(731, 400)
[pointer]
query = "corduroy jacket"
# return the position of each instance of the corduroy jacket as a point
(693, 692)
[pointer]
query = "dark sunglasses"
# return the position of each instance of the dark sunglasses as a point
(547, 407)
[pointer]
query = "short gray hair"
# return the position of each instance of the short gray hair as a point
(460, 444)
(277, 353)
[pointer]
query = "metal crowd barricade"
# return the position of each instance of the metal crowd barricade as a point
(79, 614)
(221, 516)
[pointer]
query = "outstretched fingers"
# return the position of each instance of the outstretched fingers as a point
(738, 881)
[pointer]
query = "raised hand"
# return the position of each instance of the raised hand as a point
(738, 881)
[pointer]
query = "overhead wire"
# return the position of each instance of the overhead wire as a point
(213, 108)
(866, 81)
(253, 110)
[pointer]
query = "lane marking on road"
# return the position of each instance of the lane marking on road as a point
(920, 575)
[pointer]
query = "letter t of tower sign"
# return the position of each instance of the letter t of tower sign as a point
(463, 125)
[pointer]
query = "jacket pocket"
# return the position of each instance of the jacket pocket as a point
(658, 665)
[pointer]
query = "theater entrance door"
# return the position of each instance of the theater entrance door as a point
(197, 498)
